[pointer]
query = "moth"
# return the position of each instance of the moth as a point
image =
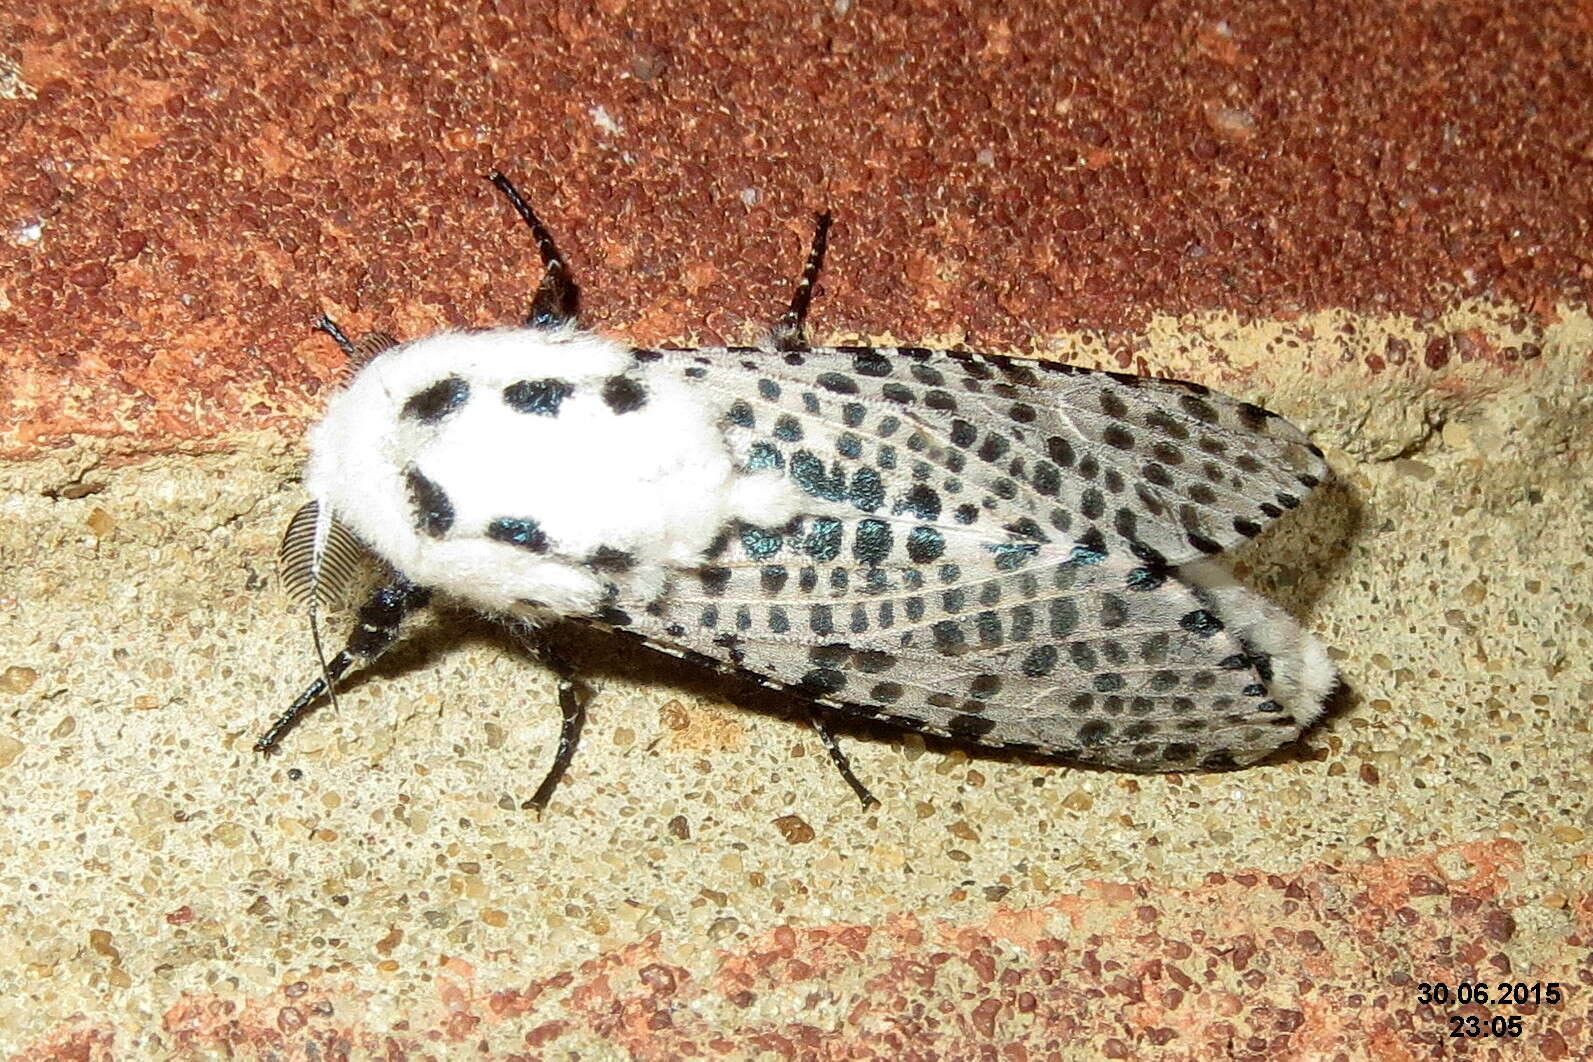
(999, 550)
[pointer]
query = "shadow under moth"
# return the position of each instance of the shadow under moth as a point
(997, 550)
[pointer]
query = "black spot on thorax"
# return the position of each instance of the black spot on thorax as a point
(541, 397)
(433, 403)
(521, 531)
(623, 394)
(434, 513)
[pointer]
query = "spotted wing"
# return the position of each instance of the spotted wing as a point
(992, 551)
(1158, 467)
(1097, 659)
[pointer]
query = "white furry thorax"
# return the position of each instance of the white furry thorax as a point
(553, 471)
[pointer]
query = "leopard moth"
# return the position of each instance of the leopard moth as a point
(1005, 551)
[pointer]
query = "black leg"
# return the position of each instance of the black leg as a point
(573, 698)
(379, 619)
(272, 738)
(842, 764)
(790, 332)
(557, 297)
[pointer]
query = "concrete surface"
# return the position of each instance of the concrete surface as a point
(1375, 222)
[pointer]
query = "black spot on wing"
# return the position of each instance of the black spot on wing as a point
(1168, 426)
(1040, 660)
(948, 637)
(1200, 622)
(1113, 406)
(837, 382)
(870, 362)
(823, 539)
(811, 475)
(985, 687)
(922, 501)
(821, 620)
(873, 661)
(868, 490)
(609, 559)
(1118, 437)
(895, 392)
(994, 446)
(773, 578)
(822, 680)
(1060, 451)
(1198, 408)
(1095, 732)
(871, 541)
(924, 544)
(969, 727)
(1091, 548)
(1107, 682)
(1253, 416)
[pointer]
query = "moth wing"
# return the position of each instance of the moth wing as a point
(959, 569)
(1182, 469)
(1087, 660)
(1173, 469)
